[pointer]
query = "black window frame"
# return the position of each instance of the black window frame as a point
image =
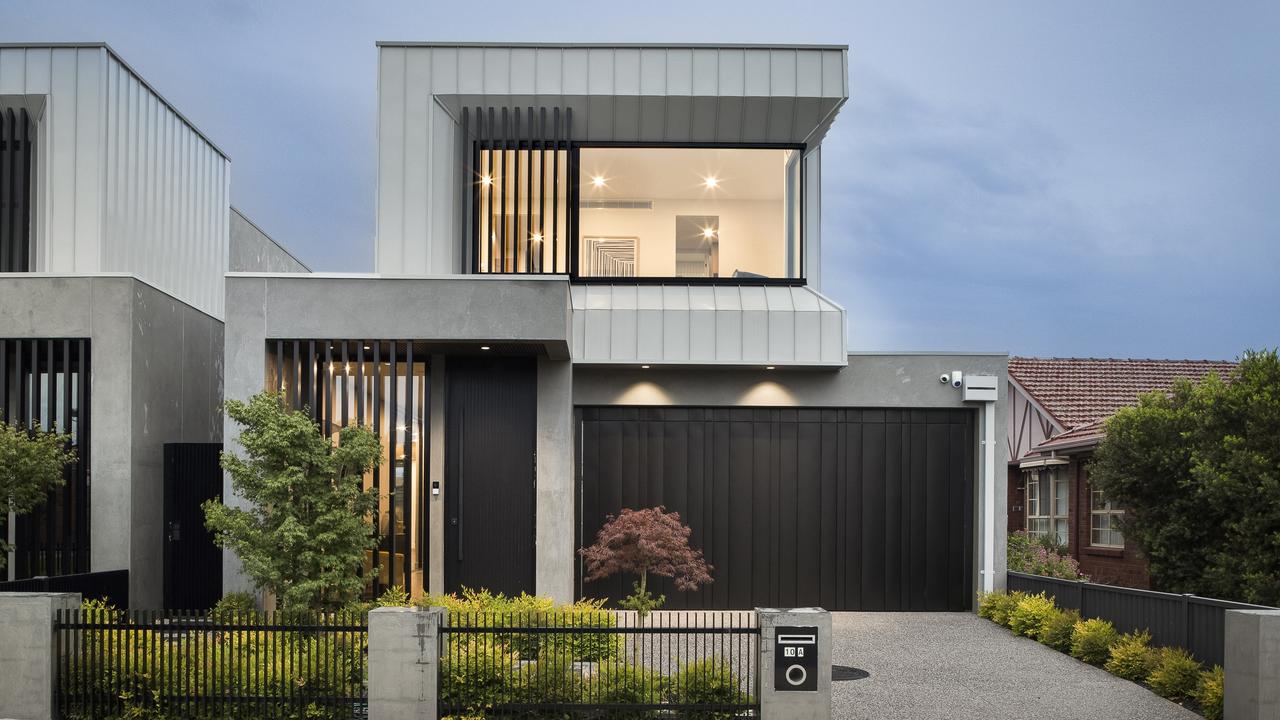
(573, 151)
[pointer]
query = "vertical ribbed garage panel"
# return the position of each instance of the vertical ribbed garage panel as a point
(847, 509)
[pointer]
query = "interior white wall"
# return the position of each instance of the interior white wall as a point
(752, 234)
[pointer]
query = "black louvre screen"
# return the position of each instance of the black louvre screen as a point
(16, 134)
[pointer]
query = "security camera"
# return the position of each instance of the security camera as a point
(956, 378)
(944, 378)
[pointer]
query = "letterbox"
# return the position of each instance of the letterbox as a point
(795, 659)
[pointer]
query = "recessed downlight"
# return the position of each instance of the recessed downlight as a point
(711, 181)
(598, 181)
(484, 347)
(768, 367)
(644, 367)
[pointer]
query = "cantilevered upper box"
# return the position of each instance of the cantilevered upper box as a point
(694, 167)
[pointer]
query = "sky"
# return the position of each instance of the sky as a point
(1044, 178)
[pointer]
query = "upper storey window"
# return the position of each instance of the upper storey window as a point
(688, 213)
(16, 135)
(540, 203)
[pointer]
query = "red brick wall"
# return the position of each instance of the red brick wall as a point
(1109, 566)
(1017, 502)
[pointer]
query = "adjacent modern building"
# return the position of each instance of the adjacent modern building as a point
(598, 285)
(115, 235)
(1058, 408)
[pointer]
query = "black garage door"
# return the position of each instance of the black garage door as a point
(847, 509)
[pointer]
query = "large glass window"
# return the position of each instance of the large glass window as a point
(17, 135)
(668, 212)
(1103, 521)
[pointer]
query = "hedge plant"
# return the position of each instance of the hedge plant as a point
(1209, 693)
(1058, 628)
(708, 681)
(1132, 657)
(1091, 641)
(1030, 615)
(1176, 675)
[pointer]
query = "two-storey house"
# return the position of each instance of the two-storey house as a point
(598, 285)
(115, 234)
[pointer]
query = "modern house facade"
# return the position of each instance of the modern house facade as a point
(1058, 408)
(598, 285)
(115, 236)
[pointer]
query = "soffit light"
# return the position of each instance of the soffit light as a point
(484, 347)
(644, 367)
(768, 367)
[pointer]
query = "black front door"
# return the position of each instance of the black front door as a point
(192, 563)
(489, 474)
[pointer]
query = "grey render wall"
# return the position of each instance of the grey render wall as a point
(155, 377)
(252, 250)
(903, 380)
(448, 310)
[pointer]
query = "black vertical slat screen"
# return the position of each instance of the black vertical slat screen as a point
(381, 385)
(515, 186)
(840, 508)
(43, 387)
(16, 144)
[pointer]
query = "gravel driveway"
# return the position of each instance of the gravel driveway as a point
(957, 665)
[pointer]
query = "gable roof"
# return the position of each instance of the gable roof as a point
(1083, 391)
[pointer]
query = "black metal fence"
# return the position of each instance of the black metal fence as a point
(600, 664)
(110, 585)
(114, 663)
(1186, 621)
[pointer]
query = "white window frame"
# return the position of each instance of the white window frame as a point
(1100, 508)
(1043, 514)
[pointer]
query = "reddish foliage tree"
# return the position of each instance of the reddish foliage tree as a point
(642, 542)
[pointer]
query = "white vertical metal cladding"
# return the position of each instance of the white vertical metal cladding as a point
(706, 324)
(124, 183)
(167, 195)
(702, 94)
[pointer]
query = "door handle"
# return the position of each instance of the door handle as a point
(462, 464)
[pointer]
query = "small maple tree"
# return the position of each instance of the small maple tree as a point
(641, 542)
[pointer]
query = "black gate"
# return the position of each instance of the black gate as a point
(192, 563)
(489, 492)
(840, 508)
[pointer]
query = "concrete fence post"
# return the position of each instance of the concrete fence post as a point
(28, 654)
(404, 663)
(1252, 665)
(795, 664)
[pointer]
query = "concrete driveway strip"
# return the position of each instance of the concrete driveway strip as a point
(956, 666)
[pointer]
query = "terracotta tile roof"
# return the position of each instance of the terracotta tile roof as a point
(1080, 391)
(1080, 436)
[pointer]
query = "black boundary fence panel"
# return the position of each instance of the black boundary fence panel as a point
(193, 665)
(1187, 621)
(600, 664)
(110, 585)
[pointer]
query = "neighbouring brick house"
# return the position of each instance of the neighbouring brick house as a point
(1058, 409)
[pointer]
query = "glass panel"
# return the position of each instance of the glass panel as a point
(1037, 527)
(1061, 493)
(1060, 530)
(521, 213)
(689, 212)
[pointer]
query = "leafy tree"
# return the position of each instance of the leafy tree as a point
(1197, 471)
(306, 529)
(640, 542)
(31, 464)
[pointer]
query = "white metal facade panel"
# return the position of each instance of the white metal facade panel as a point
(694, 325)
(627, 93)
(124, 183)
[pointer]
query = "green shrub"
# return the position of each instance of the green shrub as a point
(624, 683)
(708, 681)
(1177, 674)
(477, 673)
(149, 669)
(551, 679)
(1091, 641)
(1132, 657)
(394, 596)
(1057, 629)
(524, 610)
(233, 604)
(1030, 614)
(996, 606)
(1209, 693)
